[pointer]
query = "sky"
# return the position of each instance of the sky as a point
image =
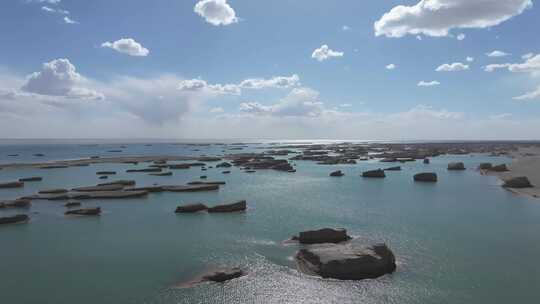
(281, 69)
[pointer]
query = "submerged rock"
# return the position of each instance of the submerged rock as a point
(397, 168)
(145, 170)
(112, 187)
(53, 191)
(425, 177)
(374, 173)
(72, 204)
(517, 182)
(89, 211)
(17, 184)
(235, 207)
(124, 182)
(226, 172)
(206, 183)
(179, 166)
(325, 235)
(191, 188)
(106, 172)
(456, 166)
(224, 165)
(162, 174)
(337, 173)
(191, 208)
(31, 179)
(223, 275)
(347, 262)
(19, 218)
(18, 203)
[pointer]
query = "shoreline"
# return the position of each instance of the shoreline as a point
(525, 162)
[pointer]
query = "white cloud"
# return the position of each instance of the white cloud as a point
(54, 10)
(274, 82)
(470, 59)
(345, 105)
(391, 66)
(301, 102)
(531, 65)
(200, 85)
(497, 53)
(127, 46)
(216, 12)
(461, 36)
(501, 116)
(59, 78)
(438, 17)
(418, 37)
(453, 67)
(69, 20)
(324, 53)
(428, 83)
(529, 96)
(527, 56)
(346, 28)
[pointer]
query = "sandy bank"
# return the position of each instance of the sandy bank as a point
(526, 162)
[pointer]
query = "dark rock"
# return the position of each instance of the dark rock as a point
(235, 207)
(426, 161)
(203, 177)
(250, 171)
(456, 166)
(113, 187)
(397, 168)
(72, 204)
(325, 235)
(425, 177)
(39, 154)
(162, 174)
(16, 184)
(54, 167)
(224, 165)
(105, 172)
(374, 173)
(226, 172)
(18, 203)
(144, 170)
(13, 155)
(517, 182)
(192, 208)
(31, 179)
(20, 218)
(223, 275)
(53, 191)
(104, 177)
(89, 211)
(123, 182)
(485, 166)
(499, 168)
(206, 183)
(337, 173)
(388, 160)
(347, 262)
(179, 166)
(191, 188)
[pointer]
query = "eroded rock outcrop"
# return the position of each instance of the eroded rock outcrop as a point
(325, 235)
(235, 207)
(19, 218)
(346, 262)
(85, 212)
(191, 208)
(517, 182)
(425, 177)
(379, 173)
(456, 166)
(337, 173)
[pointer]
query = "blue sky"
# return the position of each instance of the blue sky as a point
(179, 70)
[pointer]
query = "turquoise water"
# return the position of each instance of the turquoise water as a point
(462, 240)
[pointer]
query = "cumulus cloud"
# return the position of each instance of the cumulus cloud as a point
(428, 83)
(199, 85)
(438, 17)
(461, 36)
(527, 56)
(531, 65)
(453, 67)
(217, 110)
(59, 78)
(216, 12)
(300, 102)
(497, 53)
(324, 52)
(127, 46)
(346, 28)
(390, 66)
(274, 82)
(470, 59)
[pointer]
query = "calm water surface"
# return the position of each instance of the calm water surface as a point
(462, 240)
